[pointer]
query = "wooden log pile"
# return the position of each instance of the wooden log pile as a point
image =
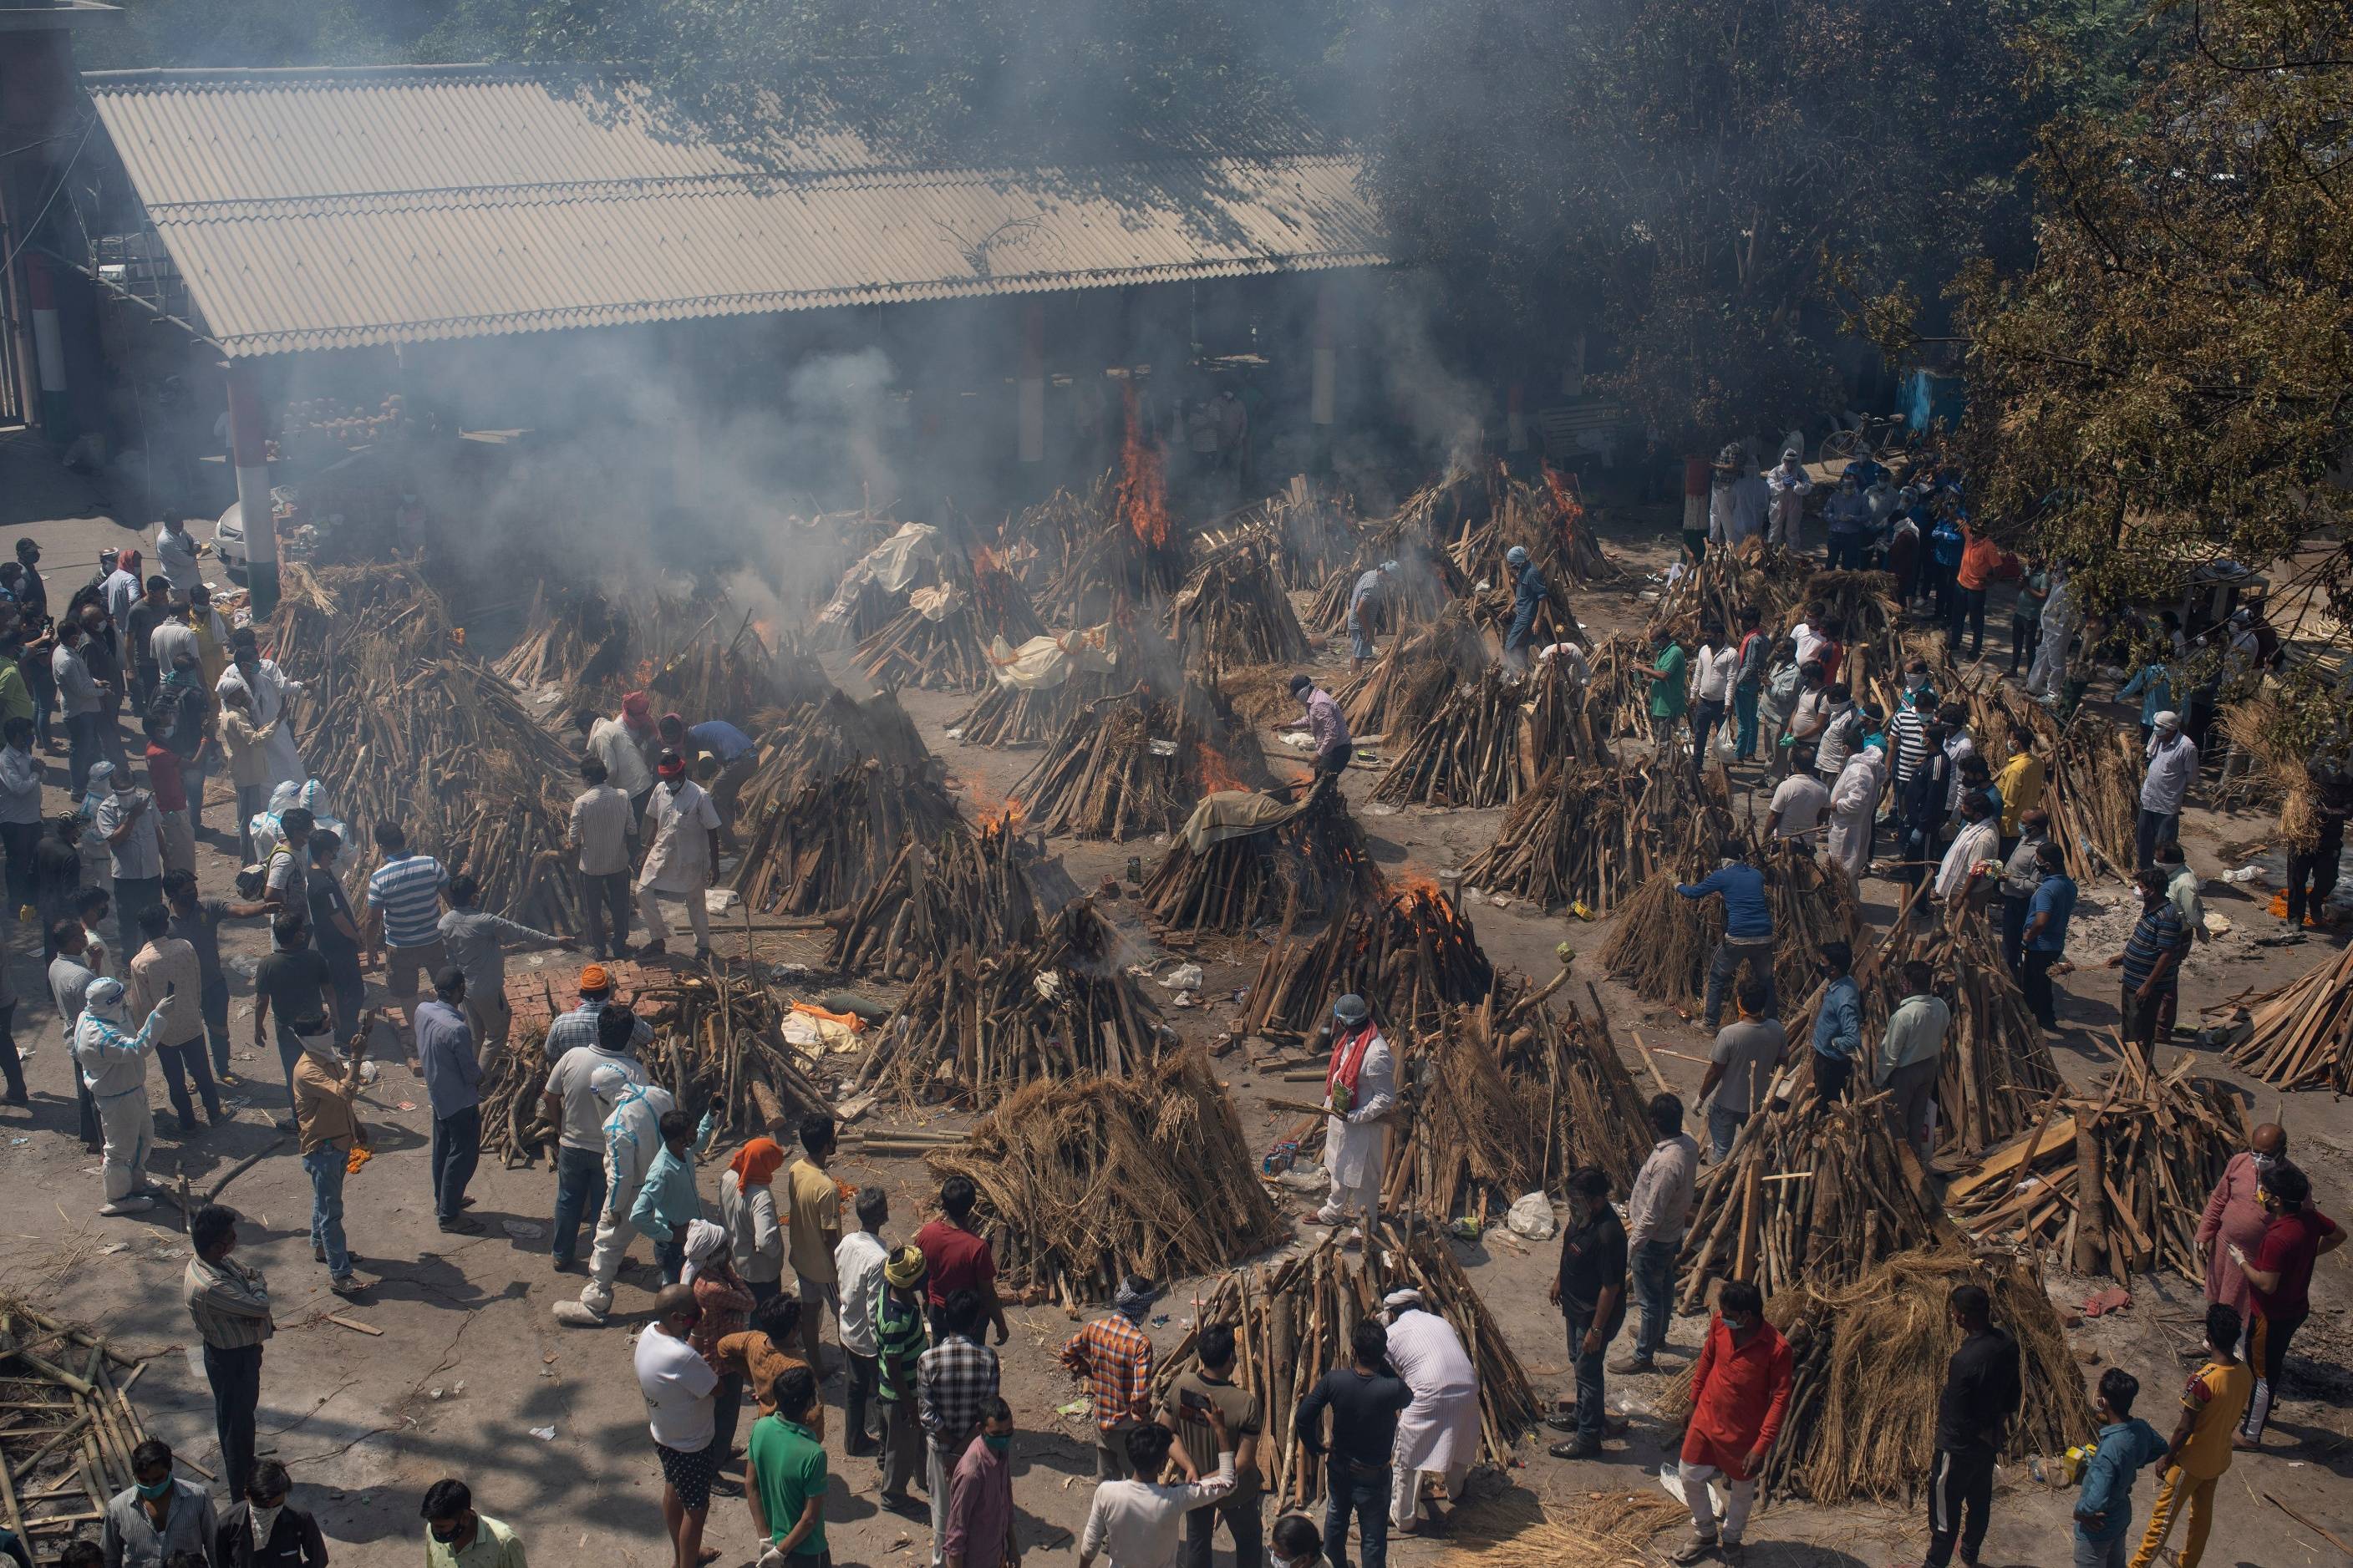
(1544, 518)
(1592, 835)
(977, 1025)
(959, 888)
(1727, 581)
(1414, 676)
(835, 838)
(573, 636)
(1618, 694)
(1870, 1363)
(1087, 1180)
(1491, 740)
(1302, 870)
(821, 739)
(2094, 797)
(2302, 1034)
(1136, 763)
(1311, 532)
(742, 677)
(1425, 582)
(1812, 1193)
(2148, 1147)
(1410, 956)
(71, 1428)
(1008, 718)
(513, 1083)
(718, 1046)
(1233, 613)
(1663, 943)
(1293, 1320)
(942, 645)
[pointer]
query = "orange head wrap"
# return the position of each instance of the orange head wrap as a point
(758, 1163)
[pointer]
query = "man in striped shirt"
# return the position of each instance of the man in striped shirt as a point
(404, 918)
(230, 1304)
(2151, 961)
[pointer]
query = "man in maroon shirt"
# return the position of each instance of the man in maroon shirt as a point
(957, 1258)
(2279, 1283)
(165, 780)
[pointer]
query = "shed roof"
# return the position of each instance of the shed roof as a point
(328, 208)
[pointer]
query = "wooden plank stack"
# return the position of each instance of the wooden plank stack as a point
(573, 638)
(1008, 718)
(1410, 956)
(2093, 797)
(2149, 1148)
(71, 1428)
(1234, 615)
(2303, 1032)
(823, 738)
(1293, 1320)
(949, 651)
(960, 887)
(1414, 676)
(1426, 581)
(1592, 835)
(836, 838)
(1136, 764)
(1084, 1181)
(975, 1025)
(1491, 739)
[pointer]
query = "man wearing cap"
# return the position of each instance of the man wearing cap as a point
(681, 859)
(901, 1334)
(576, 1049)
(1370, 590)
(453, 1078)
(1438, 1433)
(2172, 763)
(1529, 595)
(1114, 1357)
(1359, 1088)
(1322, 721)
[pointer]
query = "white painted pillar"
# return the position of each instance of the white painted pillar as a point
(248, 445)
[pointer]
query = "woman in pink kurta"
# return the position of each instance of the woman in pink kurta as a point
(2232, 1214)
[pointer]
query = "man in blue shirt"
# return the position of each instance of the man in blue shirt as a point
(2126, 1446)
(1748, 926)
(2047, 911)
(1837, 1027)
(453, 1080)
(737, 757)
(1528, 594)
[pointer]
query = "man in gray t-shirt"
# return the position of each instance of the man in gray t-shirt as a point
(1741, 1065)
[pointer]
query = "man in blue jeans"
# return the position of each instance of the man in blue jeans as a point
(1590, 1291)
(1656, 1212)
(1366, 1397)
(1748, 926)
(326, 1082)
(2126, 1446)
(453, 1078)
(572, 1106)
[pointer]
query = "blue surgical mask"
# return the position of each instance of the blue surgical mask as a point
(997, 1445)
(159, 1489)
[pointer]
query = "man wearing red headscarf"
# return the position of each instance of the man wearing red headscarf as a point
(747, 1207)
(624, 744)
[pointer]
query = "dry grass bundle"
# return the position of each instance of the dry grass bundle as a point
(1592, 835)
(1812, 1195)
(1087, 1181)
(2094, 797)
(1234, 614)
(1491, 739)
(2302, 1034)
(1298, 870)
(2148, 1148)
(944, 647)
(1135, 763)
(1663, 943)
(1596, 1530)
(834, 839)
(976, 1026)
(2255, 727)
(1411, 955)
(572, 637)
(1292, 1318)
(1414, 676)
(956, 890)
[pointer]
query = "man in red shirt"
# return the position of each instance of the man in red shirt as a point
(2279, 1283)
(957, 1258)
(170, 792)
(1740, 1392)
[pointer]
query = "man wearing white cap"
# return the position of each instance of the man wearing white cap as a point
(2172, 763)
(1359, 1089)
(1438, 1433)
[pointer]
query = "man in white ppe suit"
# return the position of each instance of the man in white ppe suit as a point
(632, 1138)
(114, 1067)
(1438, 1433)
(1359, 1091)
(1854, 802)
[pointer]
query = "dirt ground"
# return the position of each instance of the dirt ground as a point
(470, 1375)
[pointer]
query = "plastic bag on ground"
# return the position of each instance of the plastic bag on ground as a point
(1531, 1216)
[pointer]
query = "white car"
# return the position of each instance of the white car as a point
(229, 540)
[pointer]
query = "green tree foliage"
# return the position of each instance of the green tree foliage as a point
(2172, 381)
(1690, 177)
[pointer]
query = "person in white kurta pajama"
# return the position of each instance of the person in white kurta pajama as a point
(682, 823)
(1854, 800)
(1438, 1433)
(1359, 1091)
(268, 692)
(114, 1067)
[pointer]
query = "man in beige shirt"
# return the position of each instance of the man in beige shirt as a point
(326, 1082)
(165, 965)
(813, 1231)
(1656, 1212)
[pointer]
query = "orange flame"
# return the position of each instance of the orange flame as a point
(1142, 497)
(1216, 770)
(1563, 496)
(646, 673)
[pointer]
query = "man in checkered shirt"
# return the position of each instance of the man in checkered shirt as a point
(1115, 1356)
(953, 1380)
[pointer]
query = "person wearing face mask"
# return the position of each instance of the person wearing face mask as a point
(1590, 1288)
(456, 1536)
(632, 1137)
(1981, 1396)
(682, 853)
(264, 1531)
(2279, 1283)
(787, 1482)
(1740, 1393)
(2234, 1215)
(980, 1496)
(1360, 1087)
(269, 693)
(326, 1085)
(114, 1068)
(158, 1516)
(1295, 1543)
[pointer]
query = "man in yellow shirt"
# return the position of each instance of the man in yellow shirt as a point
(2020, 785)
(2211, 1405)
(813, 1231)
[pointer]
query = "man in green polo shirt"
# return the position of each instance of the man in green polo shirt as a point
(788, 1477)
(1667, 694)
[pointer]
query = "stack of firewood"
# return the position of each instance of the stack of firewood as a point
(1234, 614)
(1411, 955)
(940, 640)
(977, 1024)
(1405, 685)
(962, 887)
(1547, 520)
(2094, 797)
(1663, 941)
(573, 638)
(1137, 762)
(66, 1456)
(819, 740)
(1087, 1180)
(830, 842)
(2148, 1148)
(1491, 741)
(1301, 868)
(1293, 1320)
(1426, 581)
(2301, 1035)
(1594, 835)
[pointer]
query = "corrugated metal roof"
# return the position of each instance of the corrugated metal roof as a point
(337, 209)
